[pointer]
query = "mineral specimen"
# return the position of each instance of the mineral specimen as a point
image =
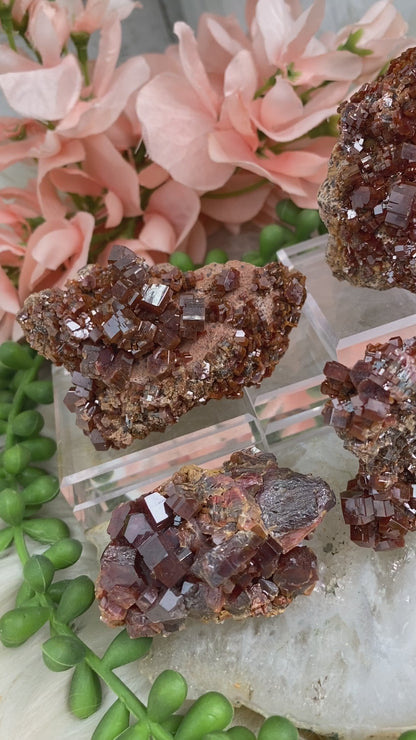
(372, 408)
(212, 544)
(368, 199)
(146, 344)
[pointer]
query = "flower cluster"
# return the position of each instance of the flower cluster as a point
(156, 152)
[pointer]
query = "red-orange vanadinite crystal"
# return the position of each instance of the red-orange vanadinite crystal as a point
(372, 408)
(212, 544)
(146, 344)
(368, 200)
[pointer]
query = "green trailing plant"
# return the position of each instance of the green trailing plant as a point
(45, 598)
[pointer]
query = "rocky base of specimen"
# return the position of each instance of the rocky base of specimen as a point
(368, 201)
(372, 408)
(212, 544)
(146, 344)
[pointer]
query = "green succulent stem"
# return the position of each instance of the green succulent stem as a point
(20, 544)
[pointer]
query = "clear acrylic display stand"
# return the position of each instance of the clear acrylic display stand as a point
(337, 322)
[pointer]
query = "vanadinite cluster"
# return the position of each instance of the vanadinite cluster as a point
(368, 200)
(146, 344)
(212, 544)
(372, 408)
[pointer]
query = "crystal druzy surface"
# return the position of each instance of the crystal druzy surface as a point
(212, 544)
(372, 407)
(146, 344)
(368, 199)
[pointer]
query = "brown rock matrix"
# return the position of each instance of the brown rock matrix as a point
(372, 408)
(212, 544)
(146, 344)
(368, 201)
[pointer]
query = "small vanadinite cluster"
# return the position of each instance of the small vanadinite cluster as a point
(372, 408)
(146, 344)
(368, 201)
(212, 544)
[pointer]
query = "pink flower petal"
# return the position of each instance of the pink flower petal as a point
(108, 54)
(10, 253)
(153, 176)
(323, 103)
(178, 204)
(9, 299)
(277, 168)
(241, 76)
(95, 116)
(241, 207)
(74, 180)
(278, 107)
(55, 251)
(285, 34)
(193, 69)
(157, 234)
(90, 18)
(13, 61)
(50, 202)
(195, 244)
(333, 65)
(274, 21)
(109, 168)
(44, 92)
(307, 23)
(48, 30)
(114, 208)
(19, 139)
(184, 152)
(219, 40)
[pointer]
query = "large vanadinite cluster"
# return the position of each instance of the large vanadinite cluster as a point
(212, 544)
(372, 408)
(368, 200)
(146, 344)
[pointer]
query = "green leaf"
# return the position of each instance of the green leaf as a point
(123, 649)
(17, 625)
(62, 652)
(38, 572)
(15, 356)
(40, 490)
(64, 553)
(113, 722)
(40, 391)
(47, 530)
(12, 506)
(166, 695)
(6, 538)
(84, 692)
(76, 599)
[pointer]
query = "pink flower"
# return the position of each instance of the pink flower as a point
(55, 251)
(177, 113)
(92, 15)
(48, 30)
(110, 89)
(36, 91)
(382, 31)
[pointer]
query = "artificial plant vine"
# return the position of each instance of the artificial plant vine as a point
(44, 598)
